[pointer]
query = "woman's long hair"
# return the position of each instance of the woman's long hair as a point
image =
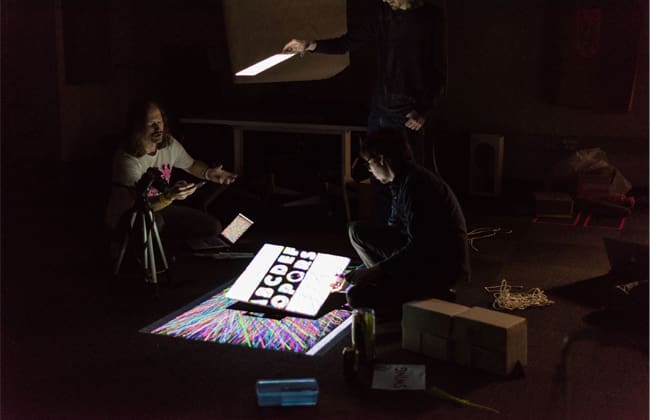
(136, 127)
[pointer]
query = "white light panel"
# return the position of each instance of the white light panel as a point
(265, 64)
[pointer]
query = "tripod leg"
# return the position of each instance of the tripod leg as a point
(154, 228)
(145, 235)
(152, 259)
(125, 243)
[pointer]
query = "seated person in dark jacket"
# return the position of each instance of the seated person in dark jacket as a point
(422, 251)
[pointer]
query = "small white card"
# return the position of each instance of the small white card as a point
(399, 377)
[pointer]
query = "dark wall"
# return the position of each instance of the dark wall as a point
(499, 71)
(498, 68)
(501, 82)
(30, 99)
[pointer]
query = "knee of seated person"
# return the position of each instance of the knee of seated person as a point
(201, 227)
(353, 227)
(356, 231)
(213, 226)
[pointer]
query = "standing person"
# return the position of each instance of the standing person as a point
(421, 252)
(411, 64)
(148, 144)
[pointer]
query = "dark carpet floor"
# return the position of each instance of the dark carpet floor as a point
(71, 347)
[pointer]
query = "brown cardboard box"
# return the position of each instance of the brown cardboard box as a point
(427, 326)
(595, 186)
(490, 340)
(553, 204)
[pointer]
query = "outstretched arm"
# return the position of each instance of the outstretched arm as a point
(339, 45)
(217, 174)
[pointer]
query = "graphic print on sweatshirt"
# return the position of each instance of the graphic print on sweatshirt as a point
(166, 174)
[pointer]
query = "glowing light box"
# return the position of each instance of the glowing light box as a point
(213, 320)
(265, 64)
(257, 311)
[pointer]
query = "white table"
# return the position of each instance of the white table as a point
(344, 133)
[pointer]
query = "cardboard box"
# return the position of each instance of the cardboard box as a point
(490, 340)
(594, 186)
(553, 204)
(427, 327)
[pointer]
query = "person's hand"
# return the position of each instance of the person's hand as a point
(180, 190)
(339, 284)
(362, 276)
(414, 121)
(220, 175)
(299, 46)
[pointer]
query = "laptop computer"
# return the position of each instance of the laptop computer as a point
(227, 238)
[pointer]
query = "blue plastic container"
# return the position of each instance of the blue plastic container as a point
(287, 392)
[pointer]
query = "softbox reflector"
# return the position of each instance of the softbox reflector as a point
(256, 30)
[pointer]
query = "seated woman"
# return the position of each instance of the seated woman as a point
(148, 144)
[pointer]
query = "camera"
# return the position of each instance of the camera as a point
(151, 178)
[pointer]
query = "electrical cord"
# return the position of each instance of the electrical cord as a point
(505, 299)
(481, 233)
